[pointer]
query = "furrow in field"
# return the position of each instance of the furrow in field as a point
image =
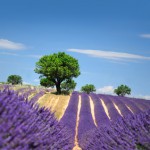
(70, 116)
(129, 109)
(130, 104)
(105, 109)
(117, 108)
(141, 103)
(113, 113)
(100, 114)
(122, 109)
(76, 143)
(86, 122)
(92, 111)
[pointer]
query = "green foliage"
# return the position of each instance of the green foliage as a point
(14, 79)
(68, 85)
(142, 146)
(46, 83)
(88, 88)
(57, 68)
(122, 90)
(3, 82)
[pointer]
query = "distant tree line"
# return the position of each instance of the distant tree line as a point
(58, 70)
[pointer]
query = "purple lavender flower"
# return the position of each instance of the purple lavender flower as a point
(25, 127)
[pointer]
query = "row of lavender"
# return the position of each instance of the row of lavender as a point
(114, 133)
(127, 106)
(23, 125)
(26, 91)
(69, 118)
(86, 123)
(129, 133)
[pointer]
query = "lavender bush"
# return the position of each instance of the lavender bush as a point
(25, 127)
(124, 110)
(129, 133)
(100, 115)
(69, 118)
(86, 122)
(113, 113)
(130, 104)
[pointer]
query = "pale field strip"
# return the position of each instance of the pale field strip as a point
(76, 147)
(45, 100)
(55, 103)
(117, 108)
(61, 106)
(92, 111)
(129, 108)
(105, 109)
(50, 101)
(31, 95)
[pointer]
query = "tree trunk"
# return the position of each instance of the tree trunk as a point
(58, 88)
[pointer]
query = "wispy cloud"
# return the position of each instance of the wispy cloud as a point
(110, 55)
(6, 44)
(6, 53)
(14, 54)
(145, 36)
(106, 90)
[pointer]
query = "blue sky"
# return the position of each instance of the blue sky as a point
(111, 40)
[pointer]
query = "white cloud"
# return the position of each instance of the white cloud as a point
(14, 54)
(6, 44)
(145, 36)
(106, 90)
(6, 53)
(110, 55)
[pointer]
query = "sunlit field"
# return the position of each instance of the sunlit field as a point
(35, 118)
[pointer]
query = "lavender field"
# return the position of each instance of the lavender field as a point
(89, 122)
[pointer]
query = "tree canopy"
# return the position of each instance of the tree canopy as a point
(122, 90)
(88, 88)
(46, 83)
(57, 68)
(68, 85)
(14, 79)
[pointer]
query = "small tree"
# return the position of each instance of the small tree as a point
(14, 79)
(88, 88)
(122, 90)
(57, 68)
(68, 85)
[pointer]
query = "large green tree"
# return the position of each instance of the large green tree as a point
(122, 90)
(14, 79)
(57, 68)
(88, 88)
